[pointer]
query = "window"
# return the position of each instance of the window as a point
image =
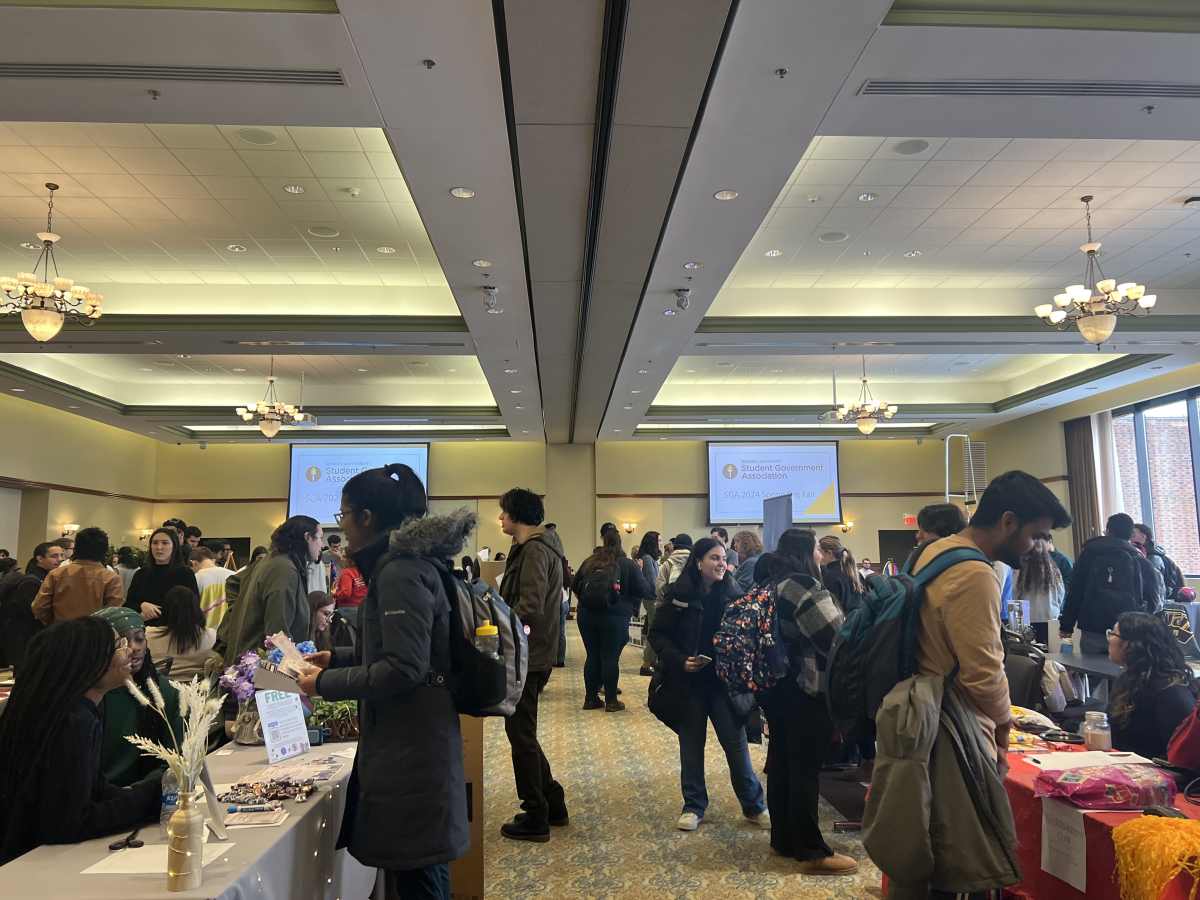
(1158, 445)
(1127, 465)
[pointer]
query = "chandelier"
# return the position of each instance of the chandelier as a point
(866, 411)
(270, 414)
(44, 302)
(1096, 305)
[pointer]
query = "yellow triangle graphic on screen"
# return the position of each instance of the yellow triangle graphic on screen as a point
(823, 505)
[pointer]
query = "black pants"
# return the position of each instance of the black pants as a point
(429, 883)
(800, 734)
(605, 635)
(536, 787)
(1041, 632)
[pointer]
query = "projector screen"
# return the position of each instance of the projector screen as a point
(741, 476)
(318, 473)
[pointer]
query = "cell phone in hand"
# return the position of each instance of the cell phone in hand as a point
(703, 660)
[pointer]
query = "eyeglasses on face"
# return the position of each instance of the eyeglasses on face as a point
(123, 643)
(1112, 633)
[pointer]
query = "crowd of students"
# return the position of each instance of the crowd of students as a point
(62, 733)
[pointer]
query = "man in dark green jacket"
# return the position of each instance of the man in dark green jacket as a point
(532, 587)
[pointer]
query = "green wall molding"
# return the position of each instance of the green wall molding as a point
(916, 324)
(1082, 15)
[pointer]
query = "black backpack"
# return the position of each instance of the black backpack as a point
(1115, 583)
(600, 588)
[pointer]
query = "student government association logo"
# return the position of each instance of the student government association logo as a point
(730, 471)
(312, 473)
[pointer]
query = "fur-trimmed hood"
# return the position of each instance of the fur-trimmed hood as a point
(439, 537)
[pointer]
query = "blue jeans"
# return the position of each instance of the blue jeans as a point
(429, 883)
(605, 635)
(562, 633)
(711, 702)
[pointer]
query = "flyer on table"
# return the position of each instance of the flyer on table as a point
(318, 473)
(741, 476)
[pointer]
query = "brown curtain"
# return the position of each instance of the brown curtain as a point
(1081, 481)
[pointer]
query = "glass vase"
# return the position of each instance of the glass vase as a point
(185, 845)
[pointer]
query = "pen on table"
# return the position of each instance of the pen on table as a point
(238, 809)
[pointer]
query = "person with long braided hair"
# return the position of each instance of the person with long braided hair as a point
(1156, 691)
(1040, 584)
(122, 715)
(52, 790)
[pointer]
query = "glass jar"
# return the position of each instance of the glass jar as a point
(1095, 731)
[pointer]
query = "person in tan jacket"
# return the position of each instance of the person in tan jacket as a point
(82, 587)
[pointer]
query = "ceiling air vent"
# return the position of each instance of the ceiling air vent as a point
(1019, 88)
(171, 73)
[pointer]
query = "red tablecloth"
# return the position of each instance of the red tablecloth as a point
(1101, 855)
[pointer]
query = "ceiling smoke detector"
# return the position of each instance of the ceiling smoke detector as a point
(911, 148)
(258, 136)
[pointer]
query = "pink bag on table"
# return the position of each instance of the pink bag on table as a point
(1108, 787)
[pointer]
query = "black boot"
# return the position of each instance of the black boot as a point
(521, 829)
(559, 818)
(593, 701)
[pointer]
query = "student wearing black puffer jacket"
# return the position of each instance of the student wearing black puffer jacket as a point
(609, 586)
(682, 633)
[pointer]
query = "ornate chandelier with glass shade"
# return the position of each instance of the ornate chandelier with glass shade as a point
(270, 414)
(45, 302)
(866, 412)
(1096, 304)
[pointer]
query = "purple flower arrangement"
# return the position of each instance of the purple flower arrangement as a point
(239, 678)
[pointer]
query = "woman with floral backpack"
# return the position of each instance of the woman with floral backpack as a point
(796, 709)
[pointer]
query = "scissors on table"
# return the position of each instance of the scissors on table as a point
(131, 841)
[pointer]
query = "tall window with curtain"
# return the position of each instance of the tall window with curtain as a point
(1081, 481)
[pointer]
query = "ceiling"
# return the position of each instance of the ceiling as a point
(594, 137)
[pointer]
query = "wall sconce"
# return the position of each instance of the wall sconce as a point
(846, 526)
(69, 530)
(145, 533)
(630, 527)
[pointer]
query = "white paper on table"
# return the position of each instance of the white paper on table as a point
(347, 752)
(1064, 843)
(279, 821)
(1066, 761)
(146, 860)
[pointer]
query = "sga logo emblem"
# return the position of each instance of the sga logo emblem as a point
(312, 473)
(730, 471)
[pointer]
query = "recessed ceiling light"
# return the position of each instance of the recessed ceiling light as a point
(239, 370)
(724, 365)
(910, 148)
(777, 370)
(19, 390)
(962, 364)
(145, 370)
(524, 432)
(72, 407)
(519, 406)
(323, 231)
(293, 189)
(725, 195)
(1043, 404)
(693, 265)
(668, 312)
(977, 370)
(493, 310)
(185, 356)
(911, 253)
(482, 263)
(514, 392)
(1091, 389)
(236, 248)
(629, 406)
(643, 371)
(773, 253)
(813, 198)
(616, 431)
(385, 249)
(1155, 368)
(29, 246)
(833, 237)
(866, 253)
(635, 392)
(417, 362)
(510, 371)
(868, 197)
(891, 370)
(689, 371)
(452, 370)
(462, 193)
(362, 370)
(258, 136)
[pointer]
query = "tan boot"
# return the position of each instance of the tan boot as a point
(829, 865)
(866, 768)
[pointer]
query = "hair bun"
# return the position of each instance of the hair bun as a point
(393, 470)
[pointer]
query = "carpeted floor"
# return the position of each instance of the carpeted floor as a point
(621, 774)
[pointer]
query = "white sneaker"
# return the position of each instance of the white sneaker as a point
(762, 819)
(689, 822)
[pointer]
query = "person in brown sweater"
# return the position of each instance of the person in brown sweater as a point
(960, 615)
(82, 587)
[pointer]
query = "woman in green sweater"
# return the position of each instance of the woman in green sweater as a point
(122, 715)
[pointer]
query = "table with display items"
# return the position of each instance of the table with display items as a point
(1098, 829)
(295, 860)
(1098, 665)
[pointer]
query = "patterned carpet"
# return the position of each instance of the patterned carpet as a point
(621, 775)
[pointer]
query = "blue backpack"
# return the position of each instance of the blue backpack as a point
(876, 647)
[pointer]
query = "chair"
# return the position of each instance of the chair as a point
(1023, 664)
(163, 666)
